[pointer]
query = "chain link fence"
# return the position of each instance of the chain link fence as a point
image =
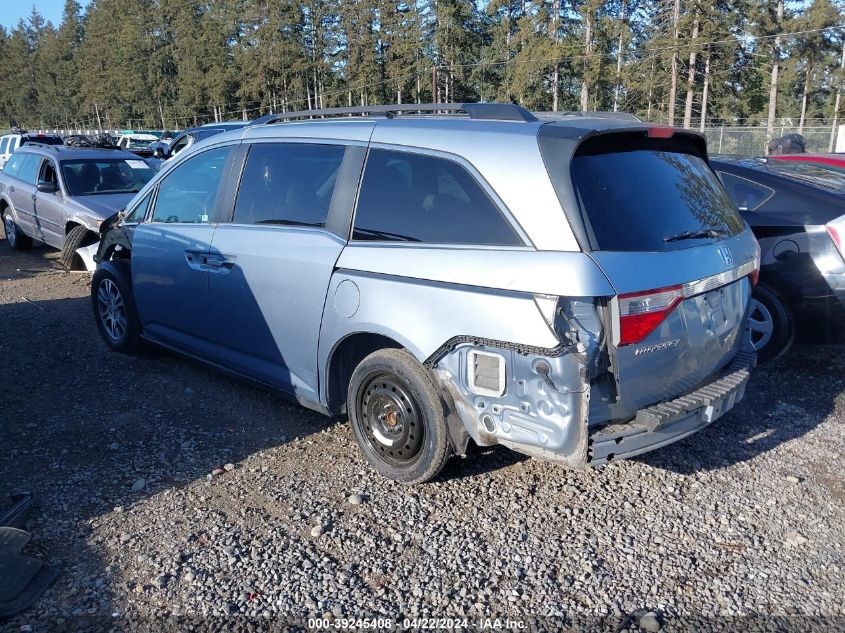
(751, 141)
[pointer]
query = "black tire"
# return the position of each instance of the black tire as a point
(771, 323)
(78, 237)
(107, 280)
(418, 442)
(14, 236)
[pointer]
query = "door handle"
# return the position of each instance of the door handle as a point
(33, 197)
(219, 263)
(12, 189)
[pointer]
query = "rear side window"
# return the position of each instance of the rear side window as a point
(642, 194)
(13, 165)
(13, 143)
(30, 168)
(416, 198)
(189, 193)
(288, 184)
(4, 142)
(745, 194)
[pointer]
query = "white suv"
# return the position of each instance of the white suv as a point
(10, 142)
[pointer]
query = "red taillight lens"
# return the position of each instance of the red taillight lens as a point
(836, 237)
(641, 312)
(754, 276)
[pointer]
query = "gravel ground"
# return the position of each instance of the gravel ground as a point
(163, 488)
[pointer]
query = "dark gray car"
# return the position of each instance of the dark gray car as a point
(60, 195)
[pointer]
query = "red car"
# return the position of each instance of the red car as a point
(835, 162)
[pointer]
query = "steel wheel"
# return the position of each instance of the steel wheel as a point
(112, 310)
(391, 421)
(761, 323)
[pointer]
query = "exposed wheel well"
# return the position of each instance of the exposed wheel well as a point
(345, 358)
(70, 226)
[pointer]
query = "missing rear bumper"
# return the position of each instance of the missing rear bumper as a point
(670, 421)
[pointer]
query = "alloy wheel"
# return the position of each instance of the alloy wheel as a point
(10, 229)
(761, 323)
(112, 309)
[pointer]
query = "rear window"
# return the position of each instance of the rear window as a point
(45, 139)
(643, 194)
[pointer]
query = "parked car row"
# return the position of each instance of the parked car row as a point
(579, 288)
(59, 190)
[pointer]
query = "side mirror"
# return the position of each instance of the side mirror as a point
(160, 152)
(45, 186)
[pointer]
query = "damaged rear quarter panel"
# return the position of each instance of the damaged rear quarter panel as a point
(441, 302)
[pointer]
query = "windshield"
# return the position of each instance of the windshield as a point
(642, 194)
(89, 177)
(139, 143)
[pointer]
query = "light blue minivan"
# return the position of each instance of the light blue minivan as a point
(575, 288)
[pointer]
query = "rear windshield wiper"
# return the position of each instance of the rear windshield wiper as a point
(694, 235)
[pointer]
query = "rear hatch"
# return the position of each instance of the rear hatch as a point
(659, 224)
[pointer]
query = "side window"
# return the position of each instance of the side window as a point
(288, 183)
(30, 168)
(179, 144)
(4, 142)
(48, 172)
(13, 166)
(140, 211)
(747, 195)
(13, 143)
(189, 192)
(417, 198)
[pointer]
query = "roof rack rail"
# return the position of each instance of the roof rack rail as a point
(488, 111)
(590, 114)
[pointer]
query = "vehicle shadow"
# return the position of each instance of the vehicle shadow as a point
(759, 423)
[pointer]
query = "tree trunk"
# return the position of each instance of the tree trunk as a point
(588, 48)
(836, 102)
(691, 75)
(704, 91)
(807, 73)
(97, 112)
(773, 85)
(650, 91)
(618, 80)
(673, 86)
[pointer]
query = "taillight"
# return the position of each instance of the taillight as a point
(836, 230)
(641, 312)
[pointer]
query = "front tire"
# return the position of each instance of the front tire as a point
(114, 308)
(771, 323)
(76, 238)
(14, 236)
(397, 417)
